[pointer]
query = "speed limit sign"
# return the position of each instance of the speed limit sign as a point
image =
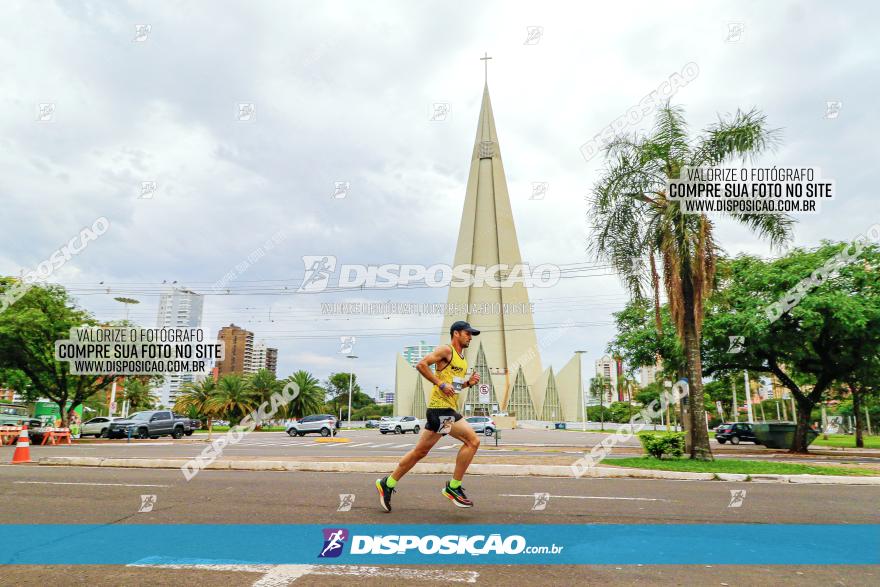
(484, 393)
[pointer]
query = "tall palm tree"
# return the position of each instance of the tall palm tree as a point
(310, 398)
(139, 394)
(234, 398)
(598, 388)
(635, 225)
(198, 397)
(263, 384)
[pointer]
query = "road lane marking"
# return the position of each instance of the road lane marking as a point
(532, 495)
(95, 484)
(278, 575)
(402, 445)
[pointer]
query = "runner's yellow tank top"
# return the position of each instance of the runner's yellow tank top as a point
(455, 374)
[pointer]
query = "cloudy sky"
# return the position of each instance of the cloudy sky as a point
(344, 92)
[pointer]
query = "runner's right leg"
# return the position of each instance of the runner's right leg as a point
(386, 485)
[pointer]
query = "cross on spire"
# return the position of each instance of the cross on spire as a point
(485, 58)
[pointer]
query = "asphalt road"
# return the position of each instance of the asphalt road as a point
(40, 494)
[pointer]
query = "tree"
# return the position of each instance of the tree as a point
(199, 397)
(28, 331)
(263, 384)
(635, 225)
(599, 386)
(234, 398)
(139, 394)
(337, 390)
(310, 397)
(824, 338)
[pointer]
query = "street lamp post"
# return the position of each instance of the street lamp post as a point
(350, 377)
(581, 391)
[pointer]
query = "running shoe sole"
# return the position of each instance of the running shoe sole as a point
(455, 501)
(382, 496)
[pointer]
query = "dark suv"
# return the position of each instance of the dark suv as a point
(735, 433)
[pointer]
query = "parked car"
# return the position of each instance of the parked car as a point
(400, 425)
(16, 415)
(372, 423)
(735, 432)
(323, 424)
(482, 424)
(98, 427)
(149, 424)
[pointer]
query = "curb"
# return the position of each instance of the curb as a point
(448, 468)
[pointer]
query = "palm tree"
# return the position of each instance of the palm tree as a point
(139, 394)
(234, 398)
(635, 225)
(198, 397)
(598, 388)
(310, 398)
(263, 384)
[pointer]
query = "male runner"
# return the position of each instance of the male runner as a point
(442, 414)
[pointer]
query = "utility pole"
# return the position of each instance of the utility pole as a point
(581, 391)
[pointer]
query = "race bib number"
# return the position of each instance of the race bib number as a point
(446, 423)
(457, 383)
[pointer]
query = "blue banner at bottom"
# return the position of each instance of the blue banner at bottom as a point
(534, 544)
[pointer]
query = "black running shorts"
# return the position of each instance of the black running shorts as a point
(433, 417)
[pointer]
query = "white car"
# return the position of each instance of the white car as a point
(98, 427)
(482, 424)
(400, 425)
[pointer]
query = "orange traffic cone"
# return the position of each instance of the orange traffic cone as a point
(22, 452)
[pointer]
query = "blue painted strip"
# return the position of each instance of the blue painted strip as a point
(720, 544)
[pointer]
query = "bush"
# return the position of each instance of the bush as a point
(595, 413)
(657, 445)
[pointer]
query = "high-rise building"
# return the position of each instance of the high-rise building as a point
(272, 360)
(506, 353)
(415, 353)
(238, 350)
(178, 308)
(607, 367)
(262, 357)
(648, 374)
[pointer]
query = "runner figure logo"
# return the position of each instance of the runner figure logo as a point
(446, 424)
(334, 541)
(346, 500)
(147, 503)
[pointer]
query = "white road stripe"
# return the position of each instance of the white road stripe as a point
(402, 445)
(96, 484)
(361, 444)
(278, 575)
(585, 497)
